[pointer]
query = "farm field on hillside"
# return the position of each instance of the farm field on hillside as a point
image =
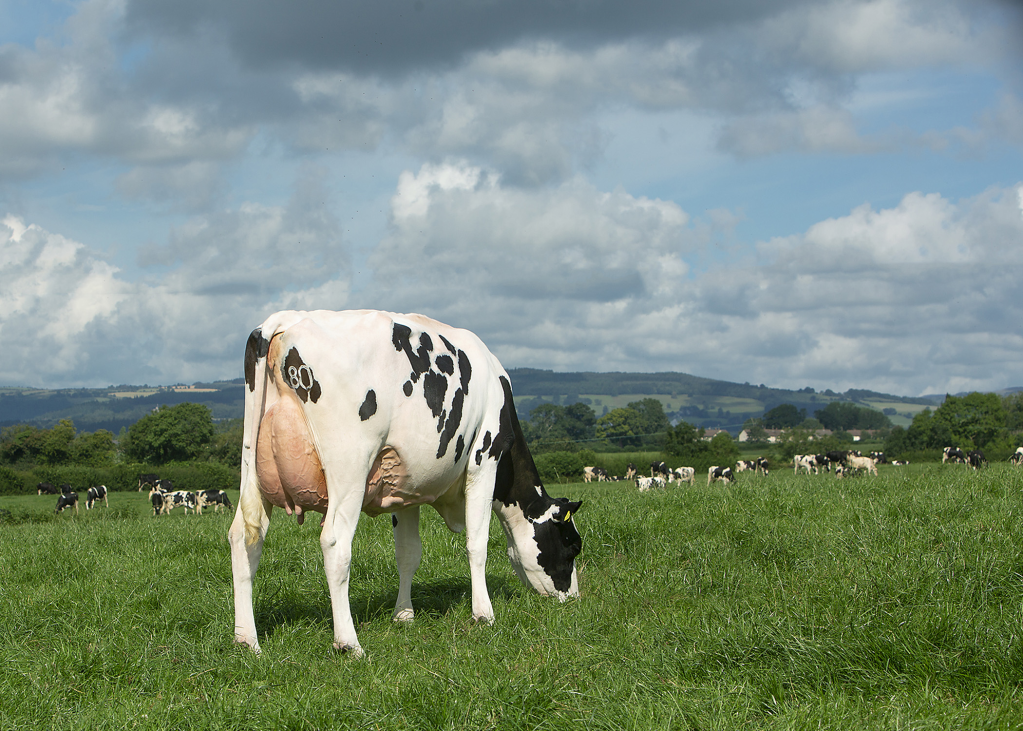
(779, 602)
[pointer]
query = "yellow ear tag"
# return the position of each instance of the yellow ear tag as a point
(568, 516)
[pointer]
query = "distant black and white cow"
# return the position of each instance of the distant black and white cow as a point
(856, 462)
(683, 474)
(953, 455)
(719, 474)
(67, 500)
(838, 456)
(157, 499)
(217, 498)
(383, 413)
(1017, 457)
(879, 457)
(184, 498)
(975, 459)
(659, 468)
(630, 471)
(598, 473)
(99, 492)
(807, 462)
(45, 488)
(646, 483)
(758, 465)
(149, 479)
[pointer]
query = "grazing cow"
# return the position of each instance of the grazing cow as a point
(99, 492)
(975, 459)
(752, 465)
(217, 498)
(838, 456)
(147, 478)
(1017, 457)
(683, 474)
(45, 488)
(879, 457)
(659, 468)
(158, 500)
(67, 500)
(646, 483)
(184, 498)
(630, 471)
(383, 413)
(589, 474)
(898, 463)
(861, 463)
(719, 474)
(806, 461)
(953, 455)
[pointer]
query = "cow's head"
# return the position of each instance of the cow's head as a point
(542, 550)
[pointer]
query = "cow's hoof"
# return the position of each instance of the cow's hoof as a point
(404, 615)
(252, 644)
(484, 618)
(354, 651)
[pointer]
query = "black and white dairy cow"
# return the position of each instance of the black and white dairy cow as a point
(99, 492)
(45, 488)
(217, 498)
(67, 499)
(719, 474)
(374, 412)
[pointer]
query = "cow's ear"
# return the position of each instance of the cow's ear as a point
(569, 510)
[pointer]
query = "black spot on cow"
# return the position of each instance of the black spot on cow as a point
(464, 371)
(447, 344)
(394, 520)
(483, 448)
(256, 347)
(454, 420)
(435, 387)
(459, 446)
(445, 364)
(369, 406)
(508, 424)
(407, 388)
(300, 377)
(419, 359)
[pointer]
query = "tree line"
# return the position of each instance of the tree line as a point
(182, 433)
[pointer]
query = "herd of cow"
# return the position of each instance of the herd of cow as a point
(68, 498)
(162, 495)
(838, 462)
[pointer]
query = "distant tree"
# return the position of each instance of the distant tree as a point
(652, 416)
(580, 421)
(179, 433)
(227, 443)
(622, 426)
(723, 449)
(784, 416)
(1013, 405)
(684, 440)
(56, 444)
(842, 415)
(96, 449)
(810, 425)
(974, 419)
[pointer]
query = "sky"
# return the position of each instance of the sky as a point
(823, 194)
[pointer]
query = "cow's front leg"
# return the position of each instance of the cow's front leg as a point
(408, 551)
(336, 541)
(477, 532)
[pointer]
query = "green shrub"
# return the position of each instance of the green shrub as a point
(13, 483)
(559, 466)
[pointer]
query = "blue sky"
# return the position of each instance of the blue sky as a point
(794, 193)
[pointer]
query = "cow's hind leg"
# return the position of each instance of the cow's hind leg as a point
(336, 541)
(408, 551)
(246, 551)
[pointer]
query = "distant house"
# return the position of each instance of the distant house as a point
(773, 435)
(710, 433)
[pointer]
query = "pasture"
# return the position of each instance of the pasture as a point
(773, 603)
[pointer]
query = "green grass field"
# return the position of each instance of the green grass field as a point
(893, 602)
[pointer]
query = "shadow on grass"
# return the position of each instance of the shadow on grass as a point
(281, 607)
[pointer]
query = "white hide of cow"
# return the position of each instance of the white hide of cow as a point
(363, 411)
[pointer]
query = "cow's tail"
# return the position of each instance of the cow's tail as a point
(257, 382)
